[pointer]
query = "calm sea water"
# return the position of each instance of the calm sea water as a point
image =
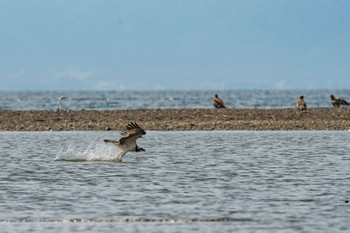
(164, 99)
(217, 181)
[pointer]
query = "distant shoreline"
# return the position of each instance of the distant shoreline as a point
(176, 119)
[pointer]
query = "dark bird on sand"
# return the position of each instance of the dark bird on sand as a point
(337, 102)
(218, 103)
(301, 104)
(127, 142)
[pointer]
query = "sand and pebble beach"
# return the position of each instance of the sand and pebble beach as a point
(176, 119)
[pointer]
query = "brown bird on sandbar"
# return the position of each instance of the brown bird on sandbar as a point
(337, 102)
(218, 103)
(301, 104)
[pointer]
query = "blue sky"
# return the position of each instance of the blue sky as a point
(174, 44)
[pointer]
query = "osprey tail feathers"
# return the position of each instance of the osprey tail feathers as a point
(111, 141)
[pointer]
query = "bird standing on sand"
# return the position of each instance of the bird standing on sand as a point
(301, 104)
(218, 103)
(62, 98)
(127, 142)
(337, 102)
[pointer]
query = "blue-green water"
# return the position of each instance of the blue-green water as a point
(217, 181)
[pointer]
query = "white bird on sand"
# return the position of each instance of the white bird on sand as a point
(127, 142)
(62, 98)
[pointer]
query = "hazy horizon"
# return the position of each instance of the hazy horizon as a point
(174, 45)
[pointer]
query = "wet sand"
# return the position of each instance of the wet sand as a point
(177, 119)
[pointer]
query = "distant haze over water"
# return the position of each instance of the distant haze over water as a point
(118, 100)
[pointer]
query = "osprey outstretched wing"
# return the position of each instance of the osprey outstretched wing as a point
(131, 132)
(127, 142)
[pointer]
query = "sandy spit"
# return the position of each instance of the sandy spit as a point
(177, 119)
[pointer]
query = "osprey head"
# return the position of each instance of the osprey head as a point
(143, 132)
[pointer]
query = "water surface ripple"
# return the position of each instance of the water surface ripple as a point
(218, 181)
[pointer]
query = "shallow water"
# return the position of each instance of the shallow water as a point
(217, 181)
(49, 100)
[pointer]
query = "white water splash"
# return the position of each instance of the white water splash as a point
(93, 152)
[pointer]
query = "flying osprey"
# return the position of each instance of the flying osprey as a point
(127, 142)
